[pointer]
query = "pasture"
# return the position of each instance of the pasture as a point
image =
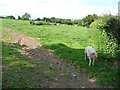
(66, 42)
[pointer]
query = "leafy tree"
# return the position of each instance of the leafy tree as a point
(10, 17)
(19, 18)
(26, 16)
(2, 17)
(46, 19)
(53, 19)
(38, 19)
(88, 20)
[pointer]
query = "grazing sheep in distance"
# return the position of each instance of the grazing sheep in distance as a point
(91, 54)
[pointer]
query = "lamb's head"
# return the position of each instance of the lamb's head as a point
(93, 55)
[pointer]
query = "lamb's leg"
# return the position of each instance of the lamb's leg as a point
(93, 62)
(89, 61)
(85, 55)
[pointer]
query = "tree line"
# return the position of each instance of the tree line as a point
(86, 21)
(26, 16)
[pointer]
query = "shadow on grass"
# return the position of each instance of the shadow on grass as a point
(19, 71)
(67, 53)
(106, 74)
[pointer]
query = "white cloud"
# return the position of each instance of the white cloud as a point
(56, 8)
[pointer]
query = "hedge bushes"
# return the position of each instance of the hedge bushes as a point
(86, 21)
(111, 25)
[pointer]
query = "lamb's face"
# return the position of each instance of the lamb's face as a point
(93, 56)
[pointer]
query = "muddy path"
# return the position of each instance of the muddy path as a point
(69, 76)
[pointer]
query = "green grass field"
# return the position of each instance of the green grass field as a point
(68, 43)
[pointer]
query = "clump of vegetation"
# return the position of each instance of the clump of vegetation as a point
(52, 21)
(110, 25)
(26, 16)
(7, 17)
(86, 21)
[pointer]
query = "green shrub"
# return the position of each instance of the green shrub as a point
(101, 22)
(111, 26)
(86, 21)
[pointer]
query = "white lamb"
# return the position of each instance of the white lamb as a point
(91, 54)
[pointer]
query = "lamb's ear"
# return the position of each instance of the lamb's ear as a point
(88, 50)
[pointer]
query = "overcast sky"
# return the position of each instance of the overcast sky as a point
(72, 9)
